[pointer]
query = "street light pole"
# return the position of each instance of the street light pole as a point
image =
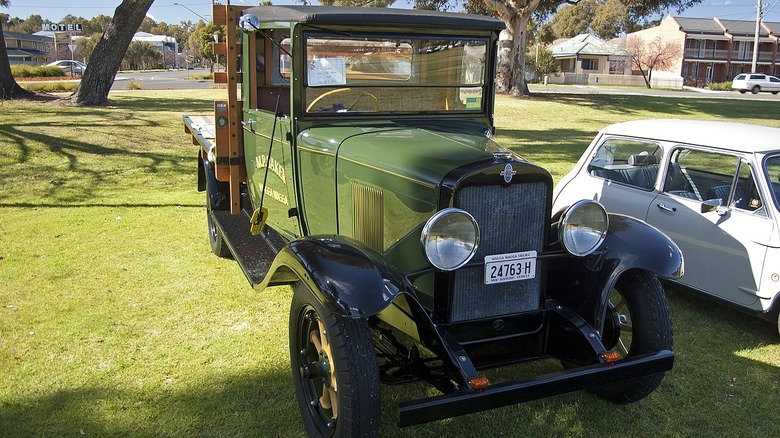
(756, 41)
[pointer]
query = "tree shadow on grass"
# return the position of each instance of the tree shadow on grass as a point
(89, 179)
(667, 106)
(174, 105)
(693, 400)
(237, 405)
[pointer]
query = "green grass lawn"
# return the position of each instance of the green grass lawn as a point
(116, 319)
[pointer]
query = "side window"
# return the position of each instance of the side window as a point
(704, 175)
(626, 161)
(746, 196)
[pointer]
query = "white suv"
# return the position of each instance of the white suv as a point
(755, 82)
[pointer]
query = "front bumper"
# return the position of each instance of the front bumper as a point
(467, 401)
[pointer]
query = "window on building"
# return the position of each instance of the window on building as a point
(590, 64)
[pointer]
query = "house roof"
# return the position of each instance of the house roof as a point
(699, 25)
(24, 36)
(585, 44)
(742, 27)
(720, 27)
(25, 52)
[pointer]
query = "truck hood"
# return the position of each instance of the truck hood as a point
(421, 154)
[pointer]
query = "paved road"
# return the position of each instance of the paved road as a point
(163, 80)
(686, 92)
(183, 79)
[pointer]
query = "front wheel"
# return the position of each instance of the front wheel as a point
(334, 370)
(755, 89)
(638, 322)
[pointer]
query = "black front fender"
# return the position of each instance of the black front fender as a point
(634, 244)
(348, 277)
(585, 283)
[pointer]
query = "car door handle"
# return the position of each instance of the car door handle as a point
(663, 207)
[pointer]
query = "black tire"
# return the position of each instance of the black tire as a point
(638, 322)
(774, 92)
(216, 240)
(742, 91)
(333, 359)
(778, 322)
(755, 89)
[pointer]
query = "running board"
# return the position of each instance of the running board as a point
(254, 254)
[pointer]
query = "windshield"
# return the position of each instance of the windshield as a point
(394, 74)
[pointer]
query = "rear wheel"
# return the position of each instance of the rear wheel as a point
(216, 240)
(742, 91)
(638, 322)
(334, 370)
(755, 89)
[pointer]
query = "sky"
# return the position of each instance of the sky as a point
(193, 10)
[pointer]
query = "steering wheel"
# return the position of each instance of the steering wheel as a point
(339, 106)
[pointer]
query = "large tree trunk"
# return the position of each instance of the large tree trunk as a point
(510, 77)
(107, 56)
(10, 89)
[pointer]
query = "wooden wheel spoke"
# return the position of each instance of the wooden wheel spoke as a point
(314, 337)
(621, 305)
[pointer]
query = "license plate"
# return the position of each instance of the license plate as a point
(516, 266)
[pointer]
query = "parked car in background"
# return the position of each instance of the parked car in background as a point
(713, 187)
(754, 83)
(73, 68)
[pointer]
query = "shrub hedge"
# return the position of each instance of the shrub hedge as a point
(41, 71)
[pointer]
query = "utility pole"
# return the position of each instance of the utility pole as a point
(756, 41)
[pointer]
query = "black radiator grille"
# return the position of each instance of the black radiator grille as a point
(511, 219)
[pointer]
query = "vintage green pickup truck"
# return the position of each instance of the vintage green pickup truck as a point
(353, 161)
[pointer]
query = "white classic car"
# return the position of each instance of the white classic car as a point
(713, 187)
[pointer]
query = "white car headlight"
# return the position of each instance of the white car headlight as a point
(450, 238)
(583, 227)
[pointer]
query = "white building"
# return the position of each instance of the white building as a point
(161, 42)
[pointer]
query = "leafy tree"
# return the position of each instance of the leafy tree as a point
(611, 19)
(97, 24)
(205, 40)
(107, 56)
(85, 46)
(141, 55)
(647, 56)
(361, 3)
(31, 24)
(573, 20)
(10, 89)
(516, 14)
(541, 60)
(604, 18)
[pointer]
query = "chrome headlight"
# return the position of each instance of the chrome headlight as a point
(583, 227)
(450, 238)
